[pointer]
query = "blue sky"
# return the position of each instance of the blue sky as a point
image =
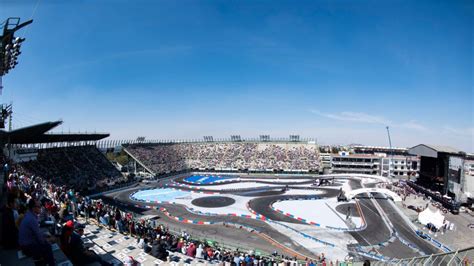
(338, 71)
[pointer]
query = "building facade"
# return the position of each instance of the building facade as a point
(397, 166)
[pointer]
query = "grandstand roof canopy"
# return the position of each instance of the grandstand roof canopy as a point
(431, 150)
(37, 134)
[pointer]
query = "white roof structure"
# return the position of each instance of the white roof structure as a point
(431, 150)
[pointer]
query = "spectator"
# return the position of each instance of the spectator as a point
(191, 250)
(9, 230)
(199, 251)
(130, 261)
(79, 255)
(32, 242)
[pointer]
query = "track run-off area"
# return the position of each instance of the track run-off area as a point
(297, 215)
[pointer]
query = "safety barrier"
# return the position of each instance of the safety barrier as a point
(184, 220)
(291, 215)
(392, 239)
(373, 256)
(436, 243)
(252, 216)
(304, 234)
(259, 216)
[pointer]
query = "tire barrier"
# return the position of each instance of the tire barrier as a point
(293, 216)
(260, 217)
(184, 220)
(252, 216)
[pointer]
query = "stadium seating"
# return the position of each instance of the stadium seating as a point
(165, 158)
(80, 167)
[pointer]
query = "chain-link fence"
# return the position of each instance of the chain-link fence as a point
(458, 257)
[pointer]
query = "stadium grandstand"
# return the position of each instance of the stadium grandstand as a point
(250, 157)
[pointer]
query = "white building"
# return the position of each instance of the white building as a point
(398, 166)
(355, 163)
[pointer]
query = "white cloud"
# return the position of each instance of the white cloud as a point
(409, 133)
(459, 131)
(354, 117)
(370, 119)
(412, 124)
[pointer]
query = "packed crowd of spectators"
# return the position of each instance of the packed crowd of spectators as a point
(165, 158)
(156, 240)
(33, 201)
(81, 167)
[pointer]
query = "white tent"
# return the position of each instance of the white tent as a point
(431, 216)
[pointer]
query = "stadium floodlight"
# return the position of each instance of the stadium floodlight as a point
(235, 138)
(208, 139)
(10, 45)
(295, 138)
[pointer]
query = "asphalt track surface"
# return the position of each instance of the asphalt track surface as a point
(213, 202)
(375, 232)
(343, 208)
(404, 230)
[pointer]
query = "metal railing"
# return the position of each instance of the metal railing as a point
(458, 257)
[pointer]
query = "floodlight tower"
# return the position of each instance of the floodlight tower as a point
(9, 52)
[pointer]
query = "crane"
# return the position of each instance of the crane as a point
(391, 151)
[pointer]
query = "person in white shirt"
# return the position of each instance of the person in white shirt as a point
(199, 252)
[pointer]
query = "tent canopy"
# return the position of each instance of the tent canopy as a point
(431, 216)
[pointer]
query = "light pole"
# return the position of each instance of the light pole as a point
(10, 46)
(391, 152)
